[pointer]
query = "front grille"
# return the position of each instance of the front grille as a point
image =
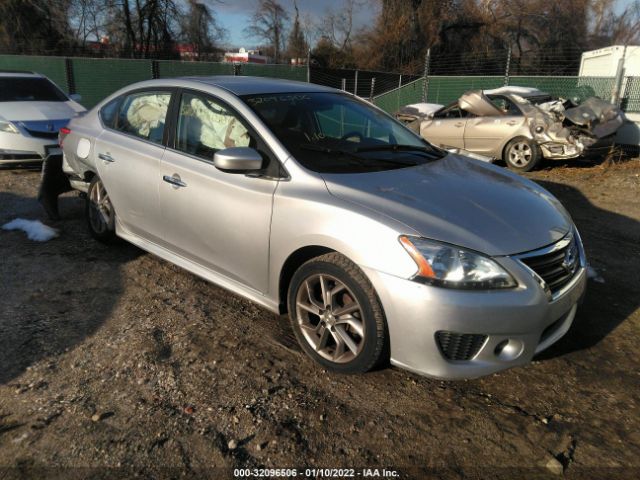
(39, 134)
(556, 267)
(459, 346)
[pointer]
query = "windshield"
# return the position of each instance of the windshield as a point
(336, 133)
(29, 89)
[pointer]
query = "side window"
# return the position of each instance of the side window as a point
(506, 105)
(109, 113)
(205, 126)
(451, 112)
(143, 114)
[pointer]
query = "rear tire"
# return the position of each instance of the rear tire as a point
(346, 332)
(522, 154)
(99, 212)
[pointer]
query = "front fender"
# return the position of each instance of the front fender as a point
(313, 217)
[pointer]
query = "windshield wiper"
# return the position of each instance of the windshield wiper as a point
(318, 148)
(390, 147)
(354, 155)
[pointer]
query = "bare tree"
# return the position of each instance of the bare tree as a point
(610, 27)
(297, 44)
(269, 24)
(31, 26)
(200, 28)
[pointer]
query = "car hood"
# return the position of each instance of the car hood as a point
(461, 201)
(29, 111)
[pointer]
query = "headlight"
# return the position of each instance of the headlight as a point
(8, 127)
(453, 267)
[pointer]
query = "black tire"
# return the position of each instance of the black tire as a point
(372, 342)
(96, 211)
(522, 154)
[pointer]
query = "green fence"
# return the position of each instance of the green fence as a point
(52, 67)
(96, 78)
(447, 89)
(175, 68)
(275, 71)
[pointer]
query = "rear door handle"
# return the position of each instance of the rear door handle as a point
(511, 122)
(106, 157)
(459, 124)
(174, 180)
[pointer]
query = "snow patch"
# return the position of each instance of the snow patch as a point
(593, 274)
(35, 229)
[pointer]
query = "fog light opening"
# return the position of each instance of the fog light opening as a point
(509, 349)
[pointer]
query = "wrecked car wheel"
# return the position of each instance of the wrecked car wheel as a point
(336, 315)
(99, 212)
(522, 154)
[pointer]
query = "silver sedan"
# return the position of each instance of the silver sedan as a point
(312, 202)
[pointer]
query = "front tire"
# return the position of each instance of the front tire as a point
(522, 154)
(336, 315)
(99, 212)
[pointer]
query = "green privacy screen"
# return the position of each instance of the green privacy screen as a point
(276, 71)
(52, 67)
(96, 78)
(175, 68)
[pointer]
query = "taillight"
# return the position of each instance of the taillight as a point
(64, 131)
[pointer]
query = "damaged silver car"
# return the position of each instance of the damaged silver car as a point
(519, 125)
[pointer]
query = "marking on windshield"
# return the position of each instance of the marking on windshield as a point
(277, 98)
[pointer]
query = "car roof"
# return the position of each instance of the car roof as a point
(515, 90)
(242, 85)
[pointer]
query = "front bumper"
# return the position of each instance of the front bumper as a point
(527, 316)
(16, 148)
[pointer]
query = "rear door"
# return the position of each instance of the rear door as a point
(446, 128)
(128, 159)
(487, 134)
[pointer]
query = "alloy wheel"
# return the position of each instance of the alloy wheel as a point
(330, 318)
(520, 154)
(100, 208)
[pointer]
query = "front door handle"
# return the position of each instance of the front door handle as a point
(174, 180)
(106, 157)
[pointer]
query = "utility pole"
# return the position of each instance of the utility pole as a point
(506, 70)
(425, 84)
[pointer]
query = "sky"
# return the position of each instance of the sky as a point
(234, 15)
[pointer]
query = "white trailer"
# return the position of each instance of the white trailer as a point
(617, 61)
(605, 62)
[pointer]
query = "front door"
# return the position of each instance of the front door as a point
(446, 128)
(487, 134)
(217, 219)
(128, 159)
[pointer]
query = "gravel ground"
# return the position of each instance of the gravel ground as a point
(114, 363)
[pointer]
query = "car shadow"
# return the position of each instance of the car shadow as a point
(611, 243)
(55, 294)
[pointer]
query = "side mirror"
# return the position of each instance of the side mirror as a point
(76, 97)
(237, 159)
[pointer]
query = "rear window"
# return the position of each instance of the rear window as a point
(29, 89)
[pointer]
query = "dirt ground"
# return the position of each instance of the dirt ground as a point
(114, 363)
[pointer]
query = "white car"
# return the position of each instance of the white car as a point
(32, 111)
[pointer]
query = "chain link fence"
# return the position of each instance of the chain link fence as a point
(96, 78)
